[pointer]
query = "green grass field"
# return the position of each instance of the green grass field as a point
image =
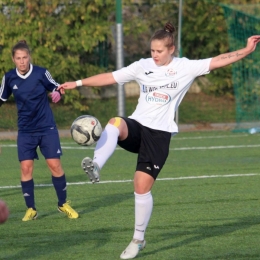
(206, 204)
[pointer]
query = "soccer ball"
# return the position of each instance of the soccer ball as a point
(4, 212)
(86, 130)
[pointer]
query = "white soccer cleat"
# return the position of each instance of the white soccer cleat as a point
(133, 249)
(91, 169)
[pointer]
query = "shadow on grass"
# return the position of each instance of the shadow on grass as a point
(107, 201)
(205, 232)
(50, 241)
(95, 204)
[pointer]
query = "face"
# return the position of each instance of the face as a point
(21, 60)
(161, 54)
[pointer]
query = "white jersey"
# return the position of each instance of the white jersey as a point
(162, 88)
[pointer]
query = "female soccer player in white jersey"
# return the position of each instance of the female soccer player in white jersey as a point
(163, 81)
(29, 85)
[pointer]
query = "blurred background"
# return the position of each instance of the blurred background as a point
(76, 39)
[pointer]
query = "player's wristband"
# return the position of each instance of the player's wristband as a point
(79, 83)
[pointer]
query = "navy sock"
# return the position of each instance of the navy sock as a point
(28, 193)
(60, 186)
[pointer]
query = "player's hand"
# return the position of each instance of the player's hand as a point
(252, 42)
(55, 96)
(67, 85)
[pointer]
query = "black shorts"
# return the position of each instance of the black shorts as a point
(152, 146)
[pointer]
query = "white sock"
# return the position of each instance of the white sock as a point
(106, 145)
(143, 212)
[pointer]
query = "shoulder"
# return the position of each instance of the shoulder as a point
(188, 62)
(39, 69)
(146, 62)
(10, 73)
(181, 60)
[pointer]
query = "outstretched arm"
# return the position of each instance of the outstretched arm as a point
(225, 59)
(99, 80)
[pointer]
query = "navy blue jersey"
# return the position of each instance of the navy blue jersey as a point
(31, 96)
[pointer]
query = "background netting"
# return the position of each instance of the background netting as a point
(243, 21)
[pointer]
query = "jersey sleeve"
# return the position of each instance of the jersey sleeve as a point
(49, 83)
(198, 67)
(5, 91)
(126, 74)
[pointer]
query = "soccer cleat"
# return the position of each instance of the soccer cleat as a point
(66, 208)
(133, 249)
(91, 169)
(30, 214)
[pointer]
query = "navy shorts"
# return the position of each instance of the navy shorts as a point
(152, 146)
(48, 143)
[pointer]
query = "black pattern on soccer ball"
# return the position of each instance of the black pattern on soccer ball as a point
(79, 129)
(94, 136)
(86, 130)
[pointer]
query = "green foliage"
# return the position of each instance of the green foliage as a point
(62, 35)
(204, 33)
(208, 38)
(67, 36)
(245, 74)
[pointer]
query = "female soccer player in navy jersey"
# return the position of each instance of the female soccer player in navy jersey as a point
(163, 81)
(29, 85)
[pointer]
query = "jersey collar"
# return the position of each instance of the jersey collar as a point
(27, 74)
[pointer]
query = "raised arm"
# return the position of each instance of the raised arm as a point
(99, 80)
(225, 59)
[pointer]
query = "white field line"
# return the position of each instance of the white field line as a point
(171, 149)
(215, 147)
(159, 179)
(208, 137)
(173, 139)
(176, 137)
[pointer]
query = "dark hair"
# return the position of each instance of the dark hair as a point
(21, 45)
(167, 34)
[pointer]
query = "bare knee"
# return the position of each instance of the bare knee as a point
(143, 182)
(55, 167)
(120, 123)
(26, 170)
(115, 121)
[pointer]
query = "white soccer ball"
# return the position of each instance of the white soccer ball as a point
(86, 130)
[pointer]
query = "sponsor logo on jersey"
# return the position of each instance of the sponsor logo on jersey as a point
(149, 72)
(156, 167)
(158, 98)
(15, 87)
(171, 86)
(170, 73)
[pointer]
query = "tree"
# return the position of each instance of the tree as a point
(63, 36)
(67, 36)
(204, 32)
